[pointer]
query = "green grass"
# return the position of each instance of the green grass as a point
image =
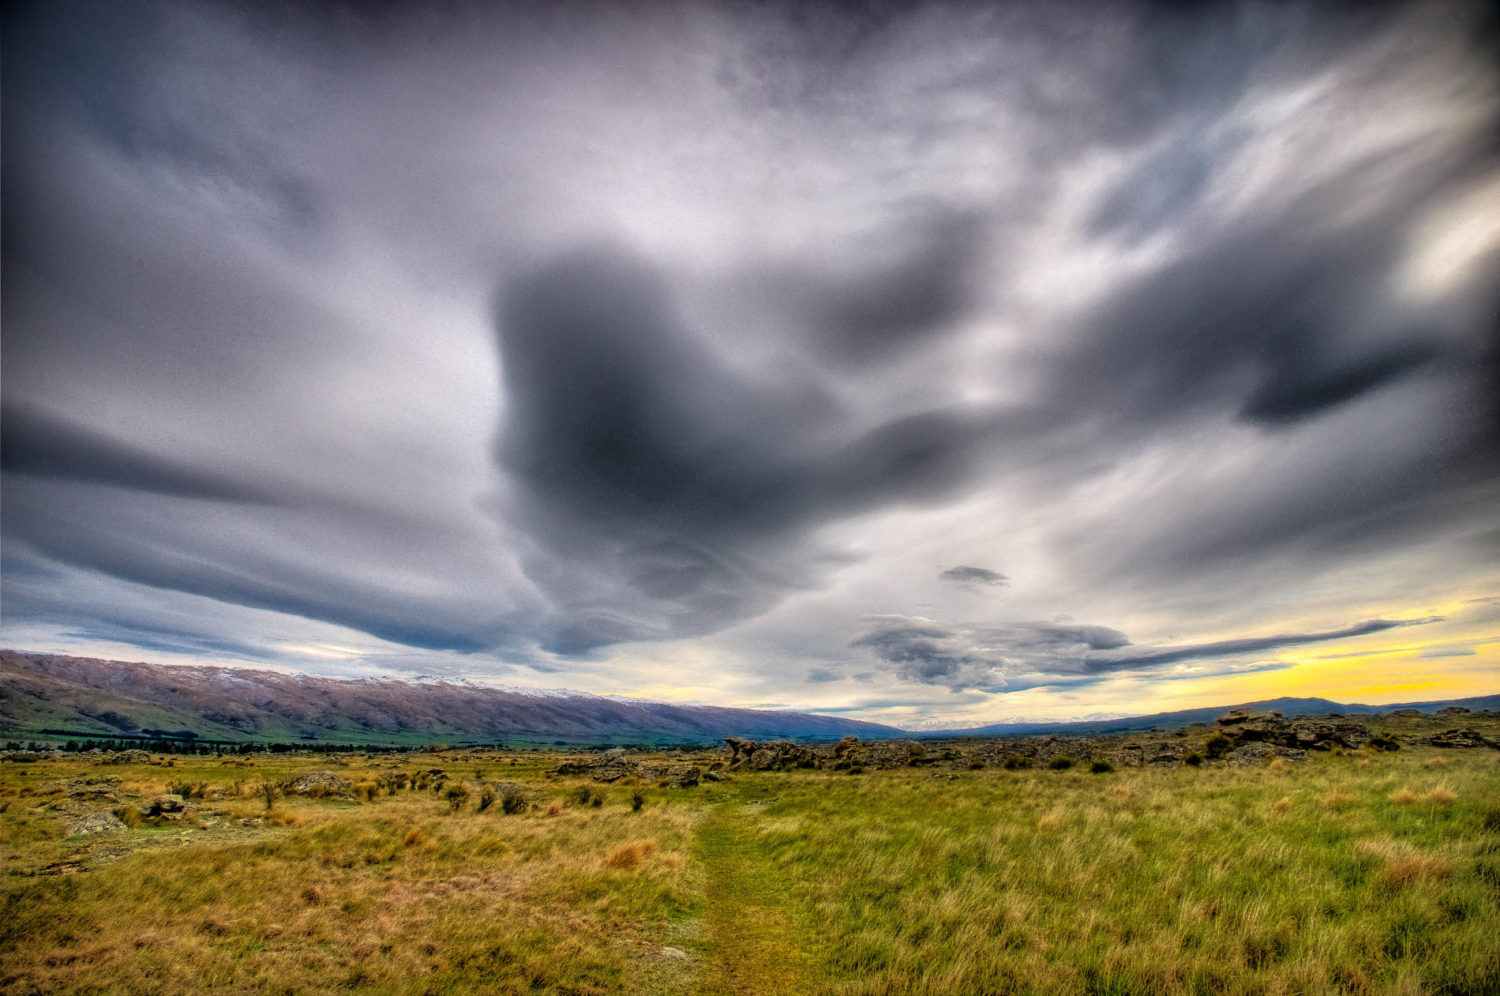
(1359, 873)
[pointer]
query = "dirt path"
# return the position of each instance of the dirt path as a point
(755, 945)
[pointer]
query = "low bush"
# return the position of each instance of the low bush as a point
(1101, 767)
(1217, 746)
(1192, 759)
(1061, 762)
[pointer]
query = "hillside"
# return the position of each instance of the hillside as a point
(1184, 717)
(108, 698)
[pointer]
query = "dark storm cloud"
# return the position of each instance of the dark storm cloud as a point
(630, 438)
(32, 442)
(1025, 655)
(838, 262)
(964, 574)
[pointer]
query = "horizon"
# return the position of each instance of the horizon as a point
(923, 365)
(934, 726)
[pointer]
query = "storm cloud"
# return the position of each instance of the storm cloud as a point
(1021, 655)
(687, 340)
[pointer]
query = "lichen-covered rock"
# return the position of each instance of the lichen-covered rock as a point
(95, 823)
(320, 784)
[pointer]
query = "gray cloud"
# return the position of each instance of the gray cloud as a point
(1024, 655)
(965, 574)
(535, 332)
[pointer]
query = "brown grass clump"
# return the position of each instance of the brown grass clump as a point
(557, 807)
(1403, 797)
(1442, 795)
(412, 837)
(129, 815)
(1435, 762)
(1403, 872)
(1278, 765)
(1282, 806)
(1338, 800)
(630, 855)
(281, 818)
(1404, 867)
(1050, 821)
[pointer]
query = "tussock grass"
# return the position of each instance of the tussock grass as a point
(1220, 879)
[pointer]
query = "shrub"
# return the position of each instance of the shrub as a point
(1015, 762)
(597, 800)
(188, 790)
(486, 798)
(1193, 759)
(1382, 742)
(1101, 767)
(556, 808)
(637, 800)
(976, 765)
(128, 815)
(513, 799)
(270, 792)
(856, 769)
(457, 795)
(1061, 762)
(1217, 746)
(412, 837)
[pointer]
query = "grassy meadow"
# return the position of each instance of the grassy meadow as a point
(1356, 872)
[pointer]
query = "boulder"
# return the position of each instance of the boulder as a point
(319, 784)
(1462, 738)
(95, 823)
(846, 745)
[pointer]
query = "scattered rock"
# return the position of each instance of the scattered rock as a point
(1462, 738)
(319, 784)
(675, 954)
(95, 823)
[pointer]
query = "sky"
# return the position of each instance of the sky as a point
(933, 364)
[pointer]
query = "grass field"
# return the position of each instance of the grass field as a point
(1360, 872)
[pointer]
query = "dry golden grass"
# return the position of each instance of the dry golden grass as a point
(1442, 795)
(910, 881)
(1403, 797)
(556, 807)
(630, 855)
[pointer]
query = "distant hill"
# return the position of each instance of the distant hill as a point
(83, 696)
(111, 698)
(1184, 717)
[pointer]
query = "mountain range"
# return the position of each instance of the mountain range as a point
(87, 697)
(83, 696)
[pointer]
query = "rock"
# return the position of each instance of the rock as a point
(319, 784)
(1453, 711)
(95, 823)
(846, 745)
(740, 750)
(1406, 713)
(675, 954)
(1462, 738)
(1233, 717)
(167, 807)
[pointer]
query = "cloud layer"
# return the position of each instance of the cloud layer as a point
(547, 337)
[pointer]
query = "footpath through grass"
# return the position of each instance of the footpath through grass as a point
(755, 940)
(1361, 873)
